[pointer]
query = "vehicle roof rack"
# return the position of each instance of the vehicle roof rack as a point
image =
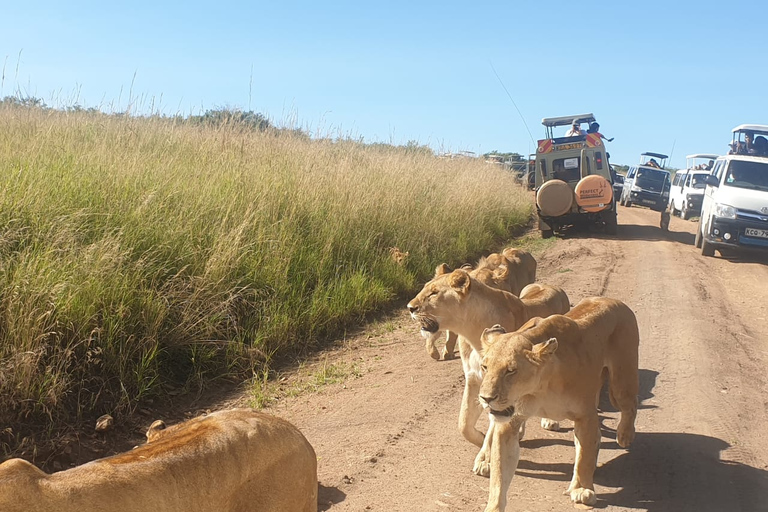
(551, 122)
(703, 155)
(655, 155)
(757, 128)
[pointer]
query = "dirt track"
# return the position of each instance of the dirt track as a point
(387, 439)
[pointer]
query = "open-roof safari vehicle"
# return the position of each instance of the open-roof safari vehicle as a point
(734, 214)
(647, 183)
(687, 192)
(573, 179)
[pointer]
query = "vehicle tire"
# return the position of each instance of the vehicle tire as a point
(547, 233)
(628, 203)
(697, 240)
(611, 223)
(685, 214)
(707, 249)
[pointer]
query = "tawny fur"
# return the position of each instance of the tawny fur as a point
(236, 460)
(554, 367)
(462, 304)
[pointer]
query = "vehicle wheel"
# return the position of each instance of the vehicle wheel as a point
(628, 203)
(611, 223)
(685, 214)
(697, 240)
(621, 200)
(707, 249)
(547, 233)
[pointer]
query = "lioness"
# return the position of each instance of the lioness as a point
(462, 304)
(233, 461)
(511, 270)
(553, 367)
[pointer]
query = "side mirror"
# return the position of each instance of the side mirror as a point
(711, 179)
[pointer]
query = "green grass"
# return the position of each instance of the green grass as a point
(139, 255)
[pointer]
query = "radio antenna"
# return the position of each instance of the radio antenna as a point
(513, 102)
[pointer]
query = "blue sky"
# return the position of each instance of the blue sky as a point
(657, 75)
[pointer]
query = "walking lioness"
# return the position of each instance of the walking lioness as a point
(462, 304)
(236, 460)
(553, 367)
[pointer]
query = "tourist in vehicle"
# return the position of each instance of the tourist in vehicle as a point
(760, 146)
(749, 142)
(652, 163)
(595, 128)
(575, 129)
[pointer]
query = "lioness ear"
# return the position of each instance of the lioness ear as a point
(490, 334)
(442, 269)
(459, 281)
(541, 352)
(501, 272)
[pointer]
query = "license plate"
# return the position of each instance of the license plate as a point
(648, 201)
(762, 233)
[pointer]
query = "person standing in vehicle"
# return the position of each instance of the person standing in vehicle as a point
(595, 128)
(575, 129)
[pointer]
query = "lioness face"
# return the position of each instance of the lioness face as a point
(512, 369)
(439, 301)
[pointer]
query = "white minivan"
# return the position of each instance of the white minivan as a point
(734, 214)
(687, 191)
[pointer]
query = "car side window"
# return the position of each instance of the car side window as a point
(718, 170)
(676, 181)
(688, 180)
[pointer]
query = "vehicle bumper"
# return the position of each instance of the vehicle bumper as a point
(731, 233)
(648, 199)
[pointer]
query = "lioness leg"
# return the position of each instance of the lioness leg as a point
(470, 406)
(505, 454)
(482, 466)
(431, 347)
(586, 437)
(450, 344)
(623, 389)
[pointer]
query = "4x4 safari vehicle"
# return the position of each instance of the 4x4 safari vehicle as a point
(573, 179)
(687, 191)
(734, 214)
(646, 184)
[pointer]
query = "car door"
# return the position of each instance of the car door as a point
(710, 196)
(628, 181)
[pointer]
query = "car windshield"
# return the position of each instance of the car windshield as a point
(618, 178)
(650, 178)
(698, 181)
(749, 175)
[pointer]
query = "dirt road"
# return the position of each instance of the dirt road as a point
(387, 438)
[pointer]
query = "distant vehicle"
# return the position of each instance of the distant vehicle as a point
(618, 183)
(644, 184)
(572, 179)
(734, 214)
(687, 192)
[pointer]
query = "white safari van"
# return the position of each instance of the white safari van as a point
(734, 214)
(647, 184)
(687, 191)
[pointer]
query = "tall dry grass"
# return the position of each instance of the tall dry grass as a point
(141, 254)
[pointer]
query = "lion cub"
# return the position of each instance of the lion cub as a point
(554, 367)
(229, 461)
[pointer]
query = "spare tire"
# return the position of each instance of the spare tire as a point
(594, 193)
(554, 198)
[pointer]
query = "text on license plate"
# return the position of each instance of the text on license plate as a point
(649, 201)
(762, 233)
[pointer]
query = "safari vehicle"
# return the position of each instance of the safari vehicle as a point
(573, 179)
(734, 214)
(644, 183)
(618, 183)
(687, 192)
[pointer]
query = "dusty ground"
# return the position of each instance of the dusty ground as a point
(385, 429)
(386, 437)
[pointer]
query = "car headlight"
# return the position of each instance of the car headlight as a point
(635, 188)
(724, 211)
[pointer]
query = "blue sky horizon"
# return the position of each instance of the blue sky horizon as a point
(661, 77)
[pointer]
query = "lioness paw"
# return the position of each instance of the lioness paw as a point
(585, 496)
(447, 355)
(434, 353)
(548, 424)
(482, 465)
